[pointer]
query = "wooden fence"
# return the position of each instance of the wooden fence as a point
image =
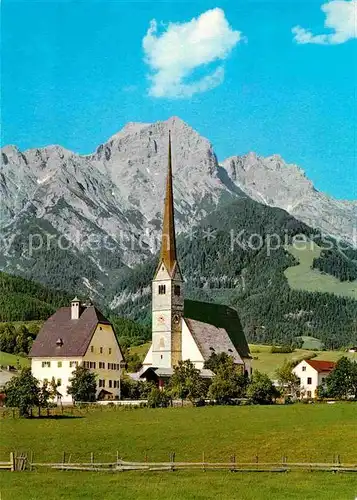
(24, 462)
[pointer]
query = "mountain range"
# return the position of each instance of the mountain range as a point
(90, 224)
(106, 207)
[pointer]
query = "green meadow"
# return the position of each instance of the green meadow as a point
(305, 432)
(177, 486)
(303, 277)
(13, 360)
(301, 432)
(267, 362)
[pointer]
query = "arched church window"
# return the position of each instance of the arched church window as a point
(162, 289)
(177, 290)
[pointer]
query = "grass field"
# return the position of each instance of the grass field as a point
(177, 486)
(12, 359)
(302, 277)
(301, 432)
(266, 362)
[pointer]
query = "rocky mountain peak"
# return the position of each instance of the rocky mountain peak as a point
(116, 193)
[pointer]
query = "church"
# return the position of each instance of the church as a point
(185, 329)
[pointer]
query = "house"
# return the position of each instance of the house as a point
(184, 329)
(75, 335)
(312, 373)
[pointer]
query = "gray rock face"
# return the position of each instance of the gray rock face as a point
(273, 182)
(113, 198)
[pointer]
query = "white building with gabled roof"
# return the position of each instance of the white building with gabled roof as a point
(78, 335)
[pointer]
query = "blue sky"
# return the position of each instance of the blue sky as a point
(272, 77)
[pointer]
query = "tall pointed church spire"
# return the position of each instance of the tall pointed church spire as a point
(168, 242)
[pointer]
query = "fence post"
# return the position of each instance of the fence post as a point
(12, 461)
(233, 460)
(172, 459)
(92, 459)
(203, 461)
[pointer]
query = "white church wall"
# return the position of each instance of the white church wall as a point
(148, 358)
(189, 348)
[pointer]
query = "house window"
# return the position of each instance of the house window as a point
(110, 384)
(101, 350)
(59, 364)
(303, 368)
(161, 356)
(92, 364)
(323, 380)
(309, 394)
(46, 364)
(309, 381)
(177, 290)
(59, 382)
(101, 383)
(74, 364)
(101, 364)
(162, 289)
(110, 350)
(91, 348)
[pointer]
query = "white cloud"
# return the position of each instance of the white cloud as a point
(174, 54)
(341, 17)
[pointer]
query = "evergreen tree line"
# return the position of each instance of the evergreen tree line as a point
(17, 340)
(336, 264)
(251, 280)
(218, 265)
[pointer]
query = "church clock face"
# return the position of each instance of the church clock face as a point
(161, 320)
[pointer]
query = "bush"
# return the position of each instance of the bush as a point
(158, 399)
(261, 389)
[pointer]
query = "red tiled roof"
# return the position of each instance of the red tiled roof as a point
(75, 334)
(321, 366)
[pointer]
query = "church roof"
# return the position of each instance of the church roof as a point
(210, 339)
(222, 317)
(168, 241)
(74, 334)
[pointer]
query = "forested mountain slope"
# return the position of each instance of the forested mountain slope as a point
(24, 300)
(229, 258)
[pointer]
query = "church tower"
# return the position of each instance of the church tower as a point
(167, 290)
